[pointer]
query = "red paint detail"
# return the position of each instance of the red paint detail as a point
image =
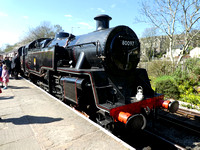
(94, 91)
(35, 72)
(164, 104)
(123, 117)
(27, 66)
(135, 108)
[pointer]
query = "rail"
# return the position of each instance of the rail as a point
(189, 114)
(183, 118)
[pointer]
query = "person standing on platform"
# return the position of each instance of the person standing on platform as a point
(17, 66)
(7, 62)
(1, 78)
(5, 76)
(1, 68)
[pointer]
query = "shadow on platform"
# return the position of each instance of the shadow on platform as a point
(6, 97)
(12, 78)
(31, 120)
(17, 87)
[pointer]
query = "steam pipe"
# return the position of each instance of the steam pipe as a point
(80, 60)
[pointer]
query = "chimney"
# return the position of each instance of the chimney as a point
(102, 21)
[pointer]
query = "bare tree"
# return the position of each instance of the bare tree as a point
(190, 18)
(196, 39)
(148, 41)
(163, 15)
(170, 15)
(44, 30)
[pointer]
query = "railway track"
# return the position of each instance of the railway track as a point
(183, 118)
(182, 128)
(189, 114)
(147, 140)
(165, 143)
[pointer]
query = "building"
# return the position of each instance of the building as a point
(195, 53)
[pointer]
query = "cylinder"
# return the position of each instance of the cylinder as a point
(136, 122)
(132, 122)
(171, 106)
(123, 117)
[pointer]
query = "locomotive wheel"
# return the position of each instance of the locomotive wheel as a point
(32, 79)
(59, 92)
(99, 118)
(62, 96)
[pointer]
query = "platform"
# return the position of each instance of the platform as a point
(34, 120)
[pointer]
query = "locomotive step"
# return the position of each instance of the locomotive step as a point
(34, 120)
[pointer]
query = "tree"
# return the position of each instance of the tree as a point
(170, 15)
(163, 15)
(9, 47)
(190, 18)
(44, 30)
(148, 41)
(196, 39)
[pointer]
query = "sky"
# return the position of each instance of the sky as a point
(74, 16)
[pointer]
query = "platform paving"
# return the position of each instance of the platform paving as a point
(34, 120)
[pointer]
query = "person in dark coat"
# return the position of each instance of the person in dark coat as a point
(16, 66)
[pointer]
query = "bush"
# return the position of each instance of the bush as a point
(190, 71)
(166, 85)
(188, 77)
(159, 68)
(191, 98)
(193, 66)
(182, 84)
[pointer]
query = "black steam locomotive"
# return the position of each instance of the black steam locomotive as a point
(96, 72)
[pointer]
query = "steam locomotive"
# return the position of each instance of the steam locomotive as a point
(97, 73)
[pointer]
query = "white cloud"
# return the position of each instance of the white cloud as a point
(113, 6)
(86, 25)
(83, 23)
(101, 10)
(68, 16)
(8, 37)
(25, 17)
(2, 14)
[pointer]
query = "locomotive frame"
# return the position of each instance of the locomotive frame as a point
(96, 73)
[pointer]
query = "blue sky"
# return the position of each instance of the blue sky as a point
(17, 16)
